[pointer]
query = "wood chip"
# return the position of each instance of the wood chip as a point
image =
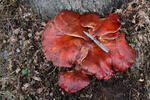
(36, 78)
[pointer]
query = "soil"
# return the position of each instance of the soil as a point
(25, 74)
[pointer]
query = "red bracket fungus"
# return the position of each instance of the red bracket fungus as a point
(65, 44)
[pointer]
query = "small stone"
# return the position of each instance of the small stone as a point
(29, 35)
(51, 94)
(4, 41)
(18, 50)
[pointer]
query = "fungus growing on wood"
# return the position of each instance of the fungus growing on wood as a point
(70, 39)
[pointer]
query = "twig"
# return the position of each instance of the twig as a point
(97, 42)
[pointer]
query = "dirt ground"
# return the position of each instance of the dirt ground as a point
(25, 74)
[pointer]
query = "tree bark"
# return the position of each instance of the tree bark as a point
(49, 8)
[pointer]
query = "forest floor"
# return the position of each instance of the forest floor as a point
(25, 74)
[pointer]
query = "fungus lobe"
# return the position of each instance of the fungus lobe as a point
(65, 44)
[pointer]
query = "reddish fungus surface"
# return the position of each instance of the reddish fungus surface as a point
(65, 44)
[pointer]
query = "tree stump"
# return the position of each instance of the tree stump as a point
(49, 8)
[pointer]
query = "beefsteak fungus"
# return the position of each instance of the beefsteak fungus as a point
(65, 43)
